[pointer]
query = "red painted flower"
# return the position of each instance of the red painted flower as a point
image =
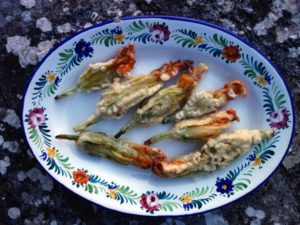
(80, 176)
(159, 32)
(36, 117)
(150, 201)
(231, 53)
(279, 119)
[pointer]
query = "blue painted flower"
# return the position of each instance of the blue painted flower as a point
(225, 186)
(83, 49)
(112, 186)
(251, 157)
(202, 46)
(44, 155)
(117, 30)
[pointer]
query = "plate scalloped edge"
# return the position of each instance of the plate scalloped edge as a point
(277, 106)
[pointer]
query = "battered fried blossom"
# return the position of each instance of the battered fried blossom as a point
(121, 96)
(120, 151)
(218, 152)
(102, 74)
(166, 101)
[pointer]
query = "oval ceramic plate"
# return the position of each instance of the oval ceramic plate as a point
(157, 40)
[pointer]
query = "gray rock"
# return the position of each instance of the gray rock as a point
(46, 199)
(53, 222)
(4, 164)
(44, 24)
(213, 218)
(26, 16)
(14, 213)
(11, 146)
(27, 3)
(12, 119)
(1, 140)
(47, 183)
(44, 47)
(294, 52)
(21, 176)
(64, 28)
(34, 174)
(19, 46)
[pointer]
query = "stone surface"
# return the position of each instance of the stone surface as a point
(14, 213)
(31, 27)
(44, 24)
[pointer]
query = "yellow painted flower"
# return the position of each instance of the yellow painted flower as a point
(257, 161)
(112, 193)
(186, 199)
(261, 80)
(119, 37)
(51, 152)
(199, 40)
(51, 77)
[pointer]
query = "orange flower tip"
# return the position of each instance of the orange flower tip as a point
(234, 114)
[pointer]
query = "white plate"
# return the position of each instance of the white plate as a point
(129, 189)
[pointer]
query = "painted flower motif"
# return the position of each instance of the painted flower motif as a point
(80, 176)
(199, 40)
(186, 200)
(51, 152)
(36, 117)
(231, 53)
(51, 77)
(83, 49)
(251, 157)
(225, 186)
(118, 35)
(257, 161)
(159, 32)
(263, 79)
(112, 191)
(150, 202)
(279, 119)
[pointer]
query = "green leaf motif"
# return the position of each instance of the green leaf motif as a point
(240, 186)
(64, 161)
(35, 137)
(124, 194)
(220, 41)
(186, 38)
(196, 193)
(233, 174)
(52, 165)
(268, 101)
(166, 196)
(198, 203)
(68, 60)
(214, 51)
(45, 133)
(91, 188)
(265, 149)
(137, 26)
(278, 97)
(169, 206)
(252, 67)
(144, 38)
(106, 37)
